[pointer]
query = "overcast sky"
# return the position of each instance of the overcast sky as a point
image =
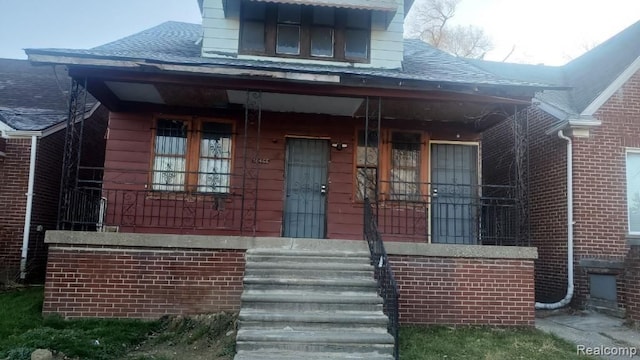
(543, 31)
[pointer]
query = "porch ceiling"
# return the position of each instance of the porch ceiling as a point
(135, 92)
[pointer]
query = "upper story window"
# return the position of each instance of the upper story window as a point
(309, 32)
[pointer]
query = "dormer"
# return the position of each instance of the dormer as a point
(360, 33)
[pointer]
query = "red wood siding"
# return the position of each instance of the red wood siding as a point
(129, 155)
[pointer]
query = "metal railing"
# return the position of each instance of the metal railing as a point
(387, 285)
(129, 201)
(448, 213)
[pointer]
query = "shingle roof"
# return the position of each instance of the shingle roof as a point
(176, 42)
(586, 77)
(32, 97)
(591, 73)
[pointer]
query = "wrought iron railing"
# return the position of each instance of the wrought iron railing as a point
(387, 285)
(121, 200)
(448, 213)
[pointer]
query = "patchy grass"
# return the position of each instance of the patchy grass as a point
(23, 329)
(473, 343)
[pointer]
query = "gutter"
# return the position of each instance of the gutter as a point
(570, 286)
(27, 218)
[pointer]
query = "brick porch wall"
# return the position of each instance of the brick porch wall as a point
(137, 281)
(86, 281)
(463, 291)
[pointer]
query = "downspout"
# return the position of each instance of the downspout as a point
(569, 295)
(27, 217)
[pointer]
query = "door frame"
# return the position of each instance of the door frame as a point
(478, 144)
(284, 174)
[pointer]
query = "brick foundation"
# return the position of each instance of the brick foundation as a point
(86, 281)
(631, 292)
(146, 276)
(461, 291)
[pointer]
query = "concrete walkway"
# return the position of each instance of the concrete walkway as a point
(593, 331)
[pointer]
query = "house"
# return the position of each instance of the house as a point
(292, 128)
(33, 110)
(584, 146)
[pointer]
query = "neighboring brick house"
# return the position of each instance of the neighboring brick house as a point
(33, 110)
(600, 112)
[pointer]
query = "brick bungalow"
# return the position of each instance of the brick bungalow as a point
(598, 118)
(33, 110)
(226, 137)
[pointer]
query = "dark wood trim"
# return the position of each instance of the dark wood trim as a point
(306, 23)
(295, 87)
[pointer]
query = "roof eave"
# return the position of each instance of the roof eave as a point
(606, 94)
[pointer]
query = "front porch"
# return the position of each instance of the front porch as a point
(266, 173)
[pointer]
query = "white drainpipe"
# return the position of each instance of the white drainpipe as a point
(569, 295)
(27, 217)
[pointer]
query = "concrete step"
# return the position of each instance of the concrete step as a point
(297, 355)
(334, 282)
(316, 341)
(296, 301)
(310, 273)
(320, 318)
(302, 265)
(308, 253)
(307, 257)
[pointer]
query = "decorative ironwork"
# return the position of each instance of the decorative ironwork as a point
(251, 150)
(449, 213)
(372, 126)
(520, 120)
(387, 285)
(72, 150)
(118, 202)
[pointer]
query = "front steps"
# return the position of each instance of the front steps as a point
(311, 305)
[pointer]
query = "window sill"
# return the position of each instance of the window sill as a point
(633, 239)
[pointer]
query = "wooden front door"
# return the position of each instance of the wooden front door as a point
(306, 188)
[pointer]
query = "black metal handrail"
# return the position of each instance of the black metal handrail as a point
(387, 285)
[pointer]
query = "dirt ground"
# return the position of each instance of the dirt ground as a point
(200, 337)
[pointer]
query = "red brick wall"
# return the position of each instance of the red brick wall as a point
(600, 186)
(465, 291)
(141, 283)
(13, 187)
(631, 284)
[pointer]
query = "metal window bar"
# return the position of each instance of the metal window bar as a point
(387, 285)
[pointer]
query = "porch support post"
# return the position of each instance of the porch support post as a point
(72, 152)
(521, 175)
(251, 165)
(372, 126)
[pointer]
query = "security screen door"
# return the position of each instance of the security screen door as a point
(454, 193)
(306, 188)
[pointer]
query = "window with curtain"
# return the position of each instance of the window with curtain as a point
(192, 155)
(405, 166)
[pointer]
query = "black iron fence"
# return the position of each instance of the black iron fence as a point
(449, 213)
(387, 286)
(132, 201)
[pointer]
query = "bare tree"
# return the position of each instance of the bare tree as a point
(431, 23)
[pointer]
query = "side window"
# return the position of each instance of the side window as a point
(633, 190)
